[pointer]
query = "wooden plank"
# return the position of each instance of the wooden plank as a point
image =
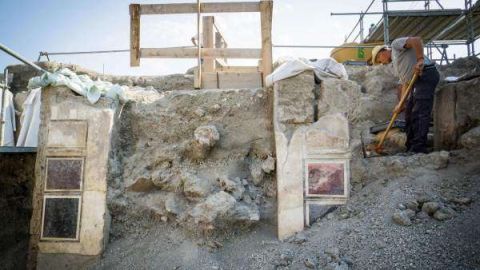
(197, 84)
(231, 80)
(266, 7)
(208, 64)
(220, 43)
(188, 52)
(183, 8)
(237, 80)
(240, 69)
(134, 35)
(210, 80)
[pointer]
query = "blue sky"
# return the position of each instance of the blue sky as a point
(30, 26)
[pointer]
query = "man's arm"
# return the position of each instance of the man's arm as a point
(416, 44)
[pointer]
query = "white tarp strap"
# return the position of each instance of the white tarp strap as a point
(30, 120)
(8, 126)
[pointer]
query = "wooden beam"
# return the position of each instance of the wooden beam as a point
(208, 64)
(150, 9)
(134, 35)
(266, 7)
(197, 84)
(231, 80)
(238, 69)
(189, 52)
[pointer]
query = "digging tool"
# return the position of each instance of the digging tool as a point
(379, 147)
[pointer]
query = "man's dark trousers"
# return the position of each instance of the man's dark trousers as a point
(419, 109)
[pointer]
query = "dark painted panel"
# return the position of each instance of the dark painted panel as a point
(64, 173)
(61, 218)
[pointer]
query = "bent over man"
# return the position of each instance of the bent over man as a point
(406, 54)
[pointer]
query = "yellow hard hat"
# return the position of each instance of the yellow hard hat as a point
(375, 51)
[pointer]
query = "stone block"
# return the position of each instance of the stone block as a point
(67, 134)
(290, 209)
(295, 99)
(329, 134)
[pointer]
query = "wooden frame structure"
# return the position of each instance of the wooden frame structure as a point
(213, 55)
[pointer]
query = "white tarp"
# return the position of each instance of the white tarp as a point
(81, 84)
(30, 120)
(323, 68)
(8, 115)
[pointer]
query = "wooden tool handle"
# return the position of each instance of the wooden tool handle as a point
(395, 113)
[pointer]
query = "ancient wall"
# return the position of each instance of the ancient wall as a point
(202, 158)
(70, 212)
(455, 112)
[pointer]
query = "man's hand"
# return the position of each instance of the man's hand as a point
(419, 67)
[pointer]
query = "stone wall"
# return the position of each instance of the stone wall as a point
(311, 134)
(70, 212)
(203, 159)
(456, 112)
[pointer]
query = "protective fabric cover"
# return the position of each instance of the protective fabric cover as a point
(323, 68)
(80, 84)
(30, 120)
(8, 128)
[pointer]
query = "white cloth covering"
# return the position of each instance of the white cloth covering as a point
(323, 68)
(81, 84)
(30, 120)
(9, 126)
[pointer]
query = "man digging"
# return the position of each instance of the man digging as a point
(406, 54)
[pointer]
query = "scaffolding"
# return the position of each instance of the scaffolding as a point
(438, 27)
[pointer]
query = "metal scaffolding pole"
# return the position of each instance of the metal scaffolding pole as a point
(386, 33)
(20, 58)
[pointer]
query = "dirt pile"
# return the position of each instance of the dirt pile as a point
(203, 158)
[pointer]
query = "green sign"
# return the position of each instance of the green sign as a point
(360, 53)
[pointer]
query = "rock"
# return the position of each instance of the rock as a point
(214, 108)
(256, 172)
(194, 186)
(245, 213)
(268, 165)
(174, 204)
(430, 207)
(444, 214)
(310, 263)
(412, 205)
(471, 139)
(423, 198)
(205, 138)
(207, 135)
(199, 112)
(402, 218)
(285, 259)
(139, 184)
(462, 200)
(422, 215)
(337, 266)
(215, 205)
(165, 179)
(299, 238)
(410, 213)
(233, 187)
(334, 253)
